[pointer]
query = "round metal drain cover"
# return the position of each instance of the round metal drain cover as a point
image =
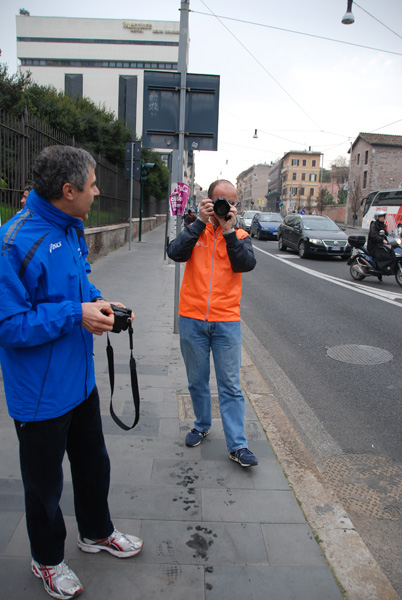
(359, 355)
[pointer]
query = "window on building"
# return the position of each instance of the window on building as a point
(304, 162)
(313, 163)
(364, 179)
(303, 177)
(313, 176)
(73, 85)
(311, 191)
(301, 191)
(366, 157)
(128, 101)
(295, 162)
(358, 159)
(293, 191)
(294, 176)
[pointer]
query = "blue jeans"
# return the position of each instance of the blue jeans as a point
(197, 339)
(42, 447)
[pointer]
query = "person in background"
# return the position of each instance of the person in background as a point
(216, 255)
(25, 195)
(50, 312)
(189, 217)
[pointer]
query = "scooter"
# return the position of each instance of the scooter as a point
(363, 265)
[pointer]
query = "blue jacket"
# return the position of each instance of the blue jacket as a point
(45, 353)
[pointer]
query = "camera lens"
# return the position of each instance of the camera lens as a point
(221, 207)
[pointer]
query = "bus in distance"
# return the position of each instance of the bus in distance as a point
(389, 200)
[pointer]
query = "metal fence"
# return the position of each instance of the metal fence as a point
(21, 140)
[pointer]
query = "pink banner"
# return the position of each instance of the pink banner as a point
(178, 199)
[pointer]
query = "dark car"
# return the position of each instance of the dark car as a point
(265, 225)
(313, 235)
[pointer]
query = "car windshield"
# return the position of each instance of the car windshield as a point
(249, 214)
(320, 225)
(272, 218)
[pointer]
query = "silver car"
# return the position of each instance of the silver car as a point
(246, 218)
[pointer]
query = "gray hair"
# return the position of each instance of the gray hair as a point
(57, 165)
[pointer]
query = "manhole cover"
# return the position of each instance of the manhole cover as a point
(186, 412)
(359, 355)
(367, 484)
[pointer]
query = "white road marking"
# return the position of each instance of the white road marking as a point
(383, 295)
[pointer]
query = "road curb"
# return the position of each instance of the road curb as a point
(352, 563)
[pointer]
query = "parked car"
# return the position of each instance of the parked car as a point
(313, 235)
(265, 225)
(246, 218)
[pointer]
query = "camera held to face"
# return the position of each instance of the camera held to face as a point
(222, 207)
(122, 318)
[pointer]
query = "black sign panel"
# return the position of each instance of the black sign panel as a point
(162, 107)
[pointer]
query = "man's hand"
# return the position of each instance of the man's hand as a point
(93, 318)
(227, 225)
(206, 210)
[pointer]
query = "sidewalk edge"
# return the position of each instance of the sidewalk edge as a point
(356, 570)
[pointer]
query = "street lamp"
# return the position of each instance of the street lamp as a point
(348, 17)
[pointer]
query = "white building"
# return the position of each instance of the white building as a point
(101, 59)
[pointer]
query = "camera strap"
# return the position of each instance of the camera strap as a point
(134, 382)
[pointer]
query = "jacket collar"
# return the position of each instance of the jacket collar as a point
(50, 213)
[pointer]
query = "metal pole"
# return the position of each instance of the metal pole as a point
(169, 166)
(141, 205)
(178, 156)
(131, 194)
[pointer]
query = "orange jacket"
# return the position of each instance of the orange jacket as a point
(211, 288)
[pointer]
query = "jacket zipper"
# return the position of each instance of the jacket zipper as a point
(212, 269)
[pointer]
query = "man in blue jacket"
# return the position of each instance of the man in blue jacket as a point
(50, 312)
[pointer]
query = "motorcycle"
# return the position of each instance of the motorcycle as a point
(363, 265)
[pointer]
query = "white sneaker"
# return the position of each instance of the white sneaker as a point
(59, 580)
(118, 544)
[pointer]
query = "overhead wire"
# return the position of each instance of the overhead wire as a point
(320, 37)
(378, 20)
(262, 66)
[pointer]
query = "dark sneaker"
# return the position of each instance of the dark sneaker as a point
(195, 437)
(244, 457)
(118, 544)
(59, 580)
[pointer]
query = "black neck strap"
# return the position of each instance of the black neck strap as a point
(134, 382)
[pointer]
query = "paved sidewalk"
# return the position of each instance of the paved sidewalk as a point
(212, 529)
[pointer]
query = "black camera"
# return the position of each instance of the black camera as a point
(122, 318)
(222, 207)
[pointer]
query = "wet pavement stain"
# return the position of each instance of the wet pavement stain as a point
(201, 541)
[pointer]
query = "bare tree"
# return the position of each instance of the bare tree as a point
(354, 200)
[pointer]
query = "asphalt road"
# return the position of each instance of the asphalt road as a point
(330, 348)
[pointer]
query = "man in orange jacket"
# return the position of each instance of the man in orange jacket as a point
(216, 255)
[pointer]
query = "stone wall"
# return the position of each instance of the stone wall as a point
(336, 212)
(102, 240)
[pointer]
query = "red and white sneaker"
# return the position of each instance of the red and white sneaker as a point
(118, 544)
(59, 580)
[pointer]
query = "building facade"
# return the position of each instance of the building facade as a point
(101, 59)
(252, 187)
(273, 195)
(300, 176)
(376, 162)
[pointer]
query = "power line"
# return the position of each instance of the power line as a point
(384, 126)
(320, 37)
(378, 20)
(262, 66)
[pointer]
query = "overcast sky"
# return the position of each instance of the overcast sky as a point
(296, 90)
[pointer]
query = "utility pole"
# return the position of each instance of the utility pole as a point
(178, 155)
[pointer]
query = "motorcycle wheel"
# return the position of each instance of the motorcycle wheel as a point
(398, 274)
(355, 272)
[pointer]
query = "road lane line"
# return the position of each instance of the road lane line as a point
(380, 295)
